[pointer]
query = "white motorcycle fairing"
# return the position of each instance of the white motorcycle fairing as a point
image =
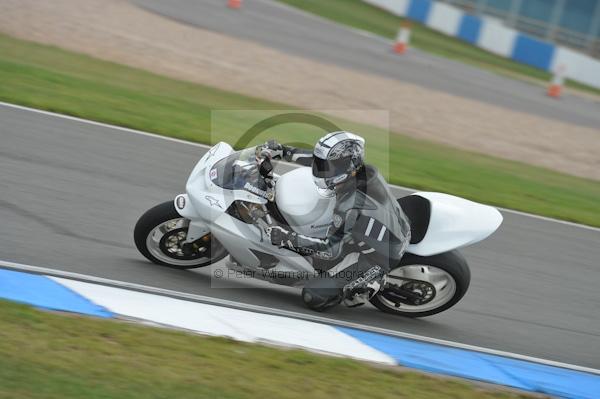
(204, 199)
(453, 222)
(205, 204)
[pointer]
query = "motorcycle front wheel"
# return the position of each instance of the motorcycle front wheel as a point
(422, 286)
(160, 235)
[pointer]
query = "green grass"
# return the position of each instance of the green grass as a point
(48, 355)
(56, 80)
(357, 14)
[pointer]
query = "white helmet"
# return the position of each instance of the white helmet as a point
(336, 158)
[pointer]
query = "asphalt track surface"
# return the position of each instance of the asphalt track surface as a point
(293, 31)
(71, 192)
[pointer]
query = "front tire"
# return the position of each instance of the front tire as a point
(159, 235)
(436, 283)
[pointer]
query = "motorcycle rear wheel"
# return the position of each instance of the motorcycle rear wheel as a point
(436, 283)
(159, 235)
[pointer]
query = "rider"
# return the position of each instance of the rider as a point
(369, 230)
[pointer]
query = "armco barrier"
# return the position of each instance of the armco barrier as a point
(107, 301)
(533, 52)
(469, 29)
(491, 35)
(445, 18)
(496, 38)
(418, 10)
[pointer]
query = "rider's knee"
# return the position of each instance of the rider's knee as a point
(320, 301)
(322, 293)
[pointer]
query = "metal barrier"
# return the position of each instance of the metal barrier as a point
(545, 30)
(493, 35)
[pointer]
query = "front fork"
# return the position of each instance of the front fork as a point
(196, 228)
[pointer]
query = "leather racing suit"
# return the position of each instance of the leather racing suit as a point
(368, 234)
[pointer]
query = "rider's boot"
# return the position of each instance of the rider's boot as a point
(359, 291)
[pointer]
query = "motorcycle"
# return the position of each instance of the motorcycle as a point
(233, 198)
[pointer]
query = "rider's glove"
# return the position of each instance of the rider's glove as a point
(282, 238)
(273, 145)
(271, 149)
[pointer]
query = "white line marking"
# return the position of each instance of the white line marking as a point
(158, 136)
(100, 124)
(281, 312)
(238, 324)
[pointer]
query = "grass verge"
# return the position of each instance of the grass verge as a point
(48, 355)
(357, 14)
(56, 80)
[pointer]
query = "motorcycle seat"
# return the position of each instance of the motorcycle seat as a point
(418, 211)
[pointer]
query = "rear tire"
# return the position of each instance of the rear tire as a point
(162, 222)
(450, 265)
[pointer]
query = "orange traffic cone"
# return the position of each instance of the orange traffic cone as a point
(558, 80)
(234, 4)
(403, 38)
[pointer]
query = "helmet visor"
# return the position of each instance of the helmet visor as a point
(324, 168)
